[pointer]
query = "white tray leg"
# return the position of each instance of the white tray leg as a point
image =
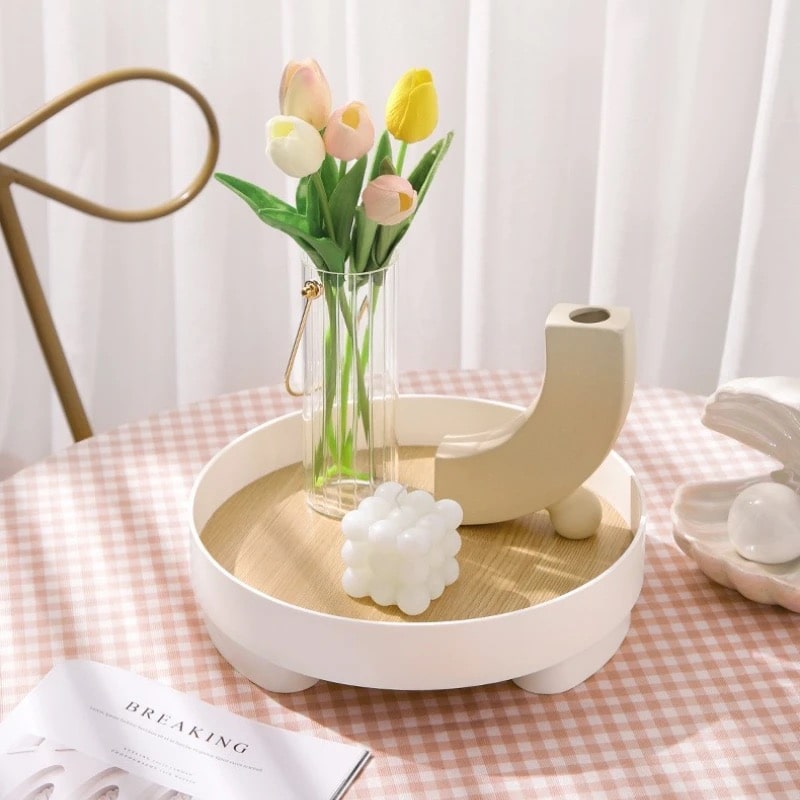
(576, 669)
(261, 672)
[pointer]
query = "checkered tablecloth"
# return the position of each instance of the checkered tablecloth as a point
(702, 700)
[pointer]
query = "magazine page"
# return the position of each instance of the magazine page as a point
(93, 732)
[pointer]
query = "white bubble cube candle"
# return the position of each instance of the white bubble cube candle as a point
(401, 548)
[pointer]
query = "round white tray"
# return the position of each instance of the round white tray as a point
(548, 647)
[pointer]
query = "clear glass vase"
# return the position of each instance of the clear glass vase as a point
(350, 387)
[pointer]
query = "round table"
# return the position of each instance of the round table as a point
(702, 700)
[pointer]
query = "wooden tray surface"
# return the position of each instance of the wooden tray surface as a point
(266, 536)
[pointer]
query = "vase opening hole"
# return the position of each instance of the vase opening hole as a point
(589, 316)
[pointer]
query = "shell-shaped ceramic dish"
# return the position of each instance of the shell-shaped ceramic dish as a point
(763, 413)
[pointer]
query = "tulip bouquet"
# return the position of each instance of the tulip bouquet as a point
(347, 221)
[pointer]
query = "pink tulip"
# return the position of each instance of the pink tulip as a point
(305, 93)
(389, 199)
(349, 133)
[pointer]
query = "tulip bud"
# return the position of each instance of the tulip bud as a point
(305, 93)
(389, 199)
(349, 133)
(295, 146)
(412, 109)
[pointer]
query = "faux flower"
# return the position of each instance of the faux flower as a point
(352, 230)
(349, 133)
(295, 146)
(305, 93)
(412, 109)
(389, 199)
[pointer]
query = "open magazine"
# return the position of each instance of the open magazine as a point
(93, 732)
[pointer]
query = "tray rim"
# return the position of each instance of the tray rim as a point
(199, 548)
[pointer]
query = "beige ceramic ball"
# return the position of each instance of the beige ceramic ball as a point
(578, 515)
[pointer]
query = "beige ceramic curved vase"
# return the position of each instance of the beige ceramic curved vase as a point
(541, 459)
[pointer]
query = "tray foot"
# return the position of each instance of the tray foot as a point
(576, 669)
(261, 672)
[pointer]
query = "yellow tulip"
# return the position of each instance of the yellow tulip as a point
(412, 109)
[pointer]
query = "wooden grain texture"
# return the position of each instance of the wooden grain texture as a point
(267, 537)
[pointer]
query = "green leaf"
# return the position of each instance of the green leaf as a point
(386, 167)
(422, 175)
(383, 150)
(344, 200)
(329, 172)
(301, 195)
(363, 236)
(313, 209)
(315, 257)
(387, 238)
(281, 216)
(256, 197)
(297, 227)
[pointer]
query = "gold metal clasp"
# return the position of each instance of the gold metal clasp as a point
(311, 291)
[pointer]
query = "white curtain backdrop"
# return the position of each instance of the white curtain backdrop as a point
(629, 152)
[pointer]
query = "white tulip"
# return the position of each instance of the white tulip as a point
(295, 146)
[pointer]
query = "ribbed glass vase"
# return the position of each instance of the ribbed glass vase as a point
(350, 388)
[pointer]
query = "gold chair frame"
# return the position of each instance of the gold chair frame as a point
(19, 251)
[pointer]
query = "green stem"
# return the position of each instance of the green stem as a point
(362, 399)
(329, 381)
(341, 443)
(373, 303)
(323, 202)
(345, 435)
(342, 169)
(401, 157)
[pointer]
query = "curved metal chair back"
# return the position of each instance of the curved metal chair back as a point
(18, 248)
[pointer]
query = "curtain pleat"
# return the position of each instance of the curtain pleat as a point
(621, 152)
(764, 327)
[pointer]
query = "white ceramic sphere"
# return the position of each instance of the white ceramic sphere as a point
(383, 534)
(436, 556)
(356, 582)
(451, 543)
(355, 525)
(375, 508)
(383, 593)
(355, 554)
(450, 571)
(413, 570)
(435, 585)
(413, 599)
(451, 511)
(421, 501)
(764, 523)
(435, 523)
(389, 491)
(384, 565)
(405, 517)
(578, 515)
(414, 542)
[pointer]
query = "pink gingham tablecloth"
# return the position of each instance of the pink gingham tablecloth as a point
(702, 700)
